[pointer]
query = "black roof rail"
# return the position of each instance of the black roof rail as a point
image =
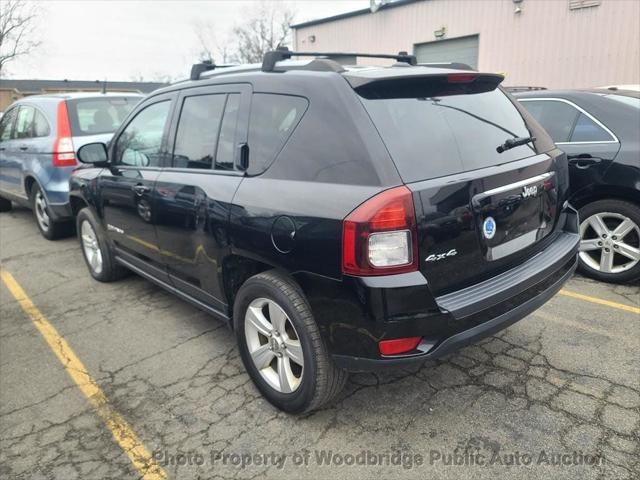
(198, 69)
(452, 65)
(283, 53)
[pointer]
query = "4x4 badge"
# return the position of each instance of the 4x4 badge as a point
(111, 228)
(434, 257)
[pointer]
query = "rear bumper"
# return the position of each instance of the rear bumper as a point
(403, 307)
(463, 338)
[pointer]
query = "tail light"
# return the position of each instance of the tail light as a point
(63, 152)
(380, 236)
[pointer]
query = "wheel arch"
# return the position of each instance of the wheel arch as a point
(29, 181)
(237, 269)
(604, 192)
(77, 203)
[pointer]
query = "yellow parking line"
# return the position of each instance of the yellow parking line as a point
(600, 301)
(120, 429)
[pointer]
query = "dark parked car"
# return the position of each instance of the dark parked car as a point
(338, 218)
(600, 132)
(39, 138)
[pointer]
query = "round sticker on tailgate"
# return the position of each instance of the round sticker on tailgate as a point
(489, 228)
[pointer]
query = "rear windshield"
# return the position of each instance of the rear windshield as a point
(93, 116)
(434, 136)
(626, 99)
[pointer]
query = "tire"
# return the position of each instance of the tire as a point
(319, 380)
(49, 228)
(599, 223)
(94, 245)
(5, 205)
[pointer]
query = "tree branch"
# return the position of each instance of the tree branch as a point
(16, 29)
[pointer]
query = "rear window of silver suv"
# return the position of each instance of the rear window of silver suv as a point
(93, 116)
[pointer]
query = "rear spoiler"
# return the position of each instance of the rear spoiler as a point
(452, 65)
(424, 85)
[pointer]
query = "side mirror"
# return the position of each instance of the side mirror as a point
(93, 153)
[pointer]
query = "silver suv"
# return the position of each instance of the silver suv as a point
(39, 138)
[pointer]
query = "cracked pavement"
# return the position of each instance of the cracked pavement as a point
(563, 380)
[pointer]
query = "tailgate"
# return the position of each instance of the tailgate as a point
(474, 226)
(512, 217)
(488, 183)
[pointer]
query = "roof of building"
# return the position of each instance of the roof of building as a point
(80, 95)
(355, 13)
(44, 85)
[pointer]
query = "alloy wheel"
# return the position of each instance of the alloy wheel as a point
(274, 345)
(91, 247)
(609, 242)
(40, 207)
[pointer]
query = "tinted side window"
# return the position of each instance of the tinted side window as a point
(586, 130)
(273, 119)
(225, 157)
(557, 118)
(141, 141)
(198, 131)
(24, 123)
(40, 125)
(6, 124)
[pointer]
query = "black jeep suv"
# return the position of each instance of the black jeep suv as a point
(338, 218)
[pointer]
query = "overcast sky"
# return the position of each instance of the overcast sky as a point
(125, 40)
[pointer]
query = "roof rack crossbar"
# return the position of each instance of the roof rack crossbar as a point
(198, 69)
(282, 53)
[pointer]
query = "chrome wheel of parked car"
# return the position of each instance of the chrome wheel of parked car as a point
(610, 242)
(40, 206)
(91, 247)
(274, 345)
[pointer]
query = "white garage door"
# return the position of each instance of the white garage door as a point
(464, 50)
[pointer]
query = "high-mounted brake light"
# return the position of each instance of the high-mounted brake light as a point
(461, 77)
(63, 152)
(380, 236)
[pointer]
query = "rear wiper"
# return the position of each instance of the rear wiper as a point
(514, 142)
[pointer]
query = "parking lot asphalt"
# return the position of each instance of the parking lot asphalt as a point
(561, 386)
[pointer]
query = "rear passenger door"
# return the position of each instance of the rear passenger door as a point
(8, 150)
(589, 144)
(26, 150)
(194, 193)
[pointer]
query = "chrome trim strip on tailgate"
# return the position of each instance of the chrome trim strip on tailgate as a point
(521, 183)
(483, 295)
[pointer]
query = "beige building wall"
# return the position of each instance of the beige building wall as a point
(546, 44)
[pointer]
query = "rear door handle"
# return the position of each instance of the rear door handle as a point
(23, 148)
(141, 189)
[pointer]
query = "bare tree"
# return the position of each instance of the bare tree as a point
(267, 27)
(210, 46)
(16, 30)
